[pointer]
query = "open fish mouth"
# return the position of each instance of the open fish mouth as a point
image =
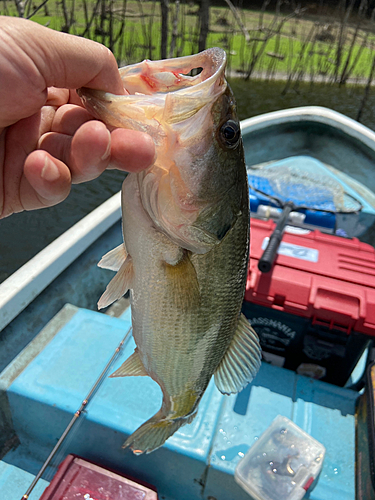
(165, 91)
(176, 74)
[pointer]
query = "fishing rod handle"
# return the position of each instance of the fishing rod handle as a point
(266, 261)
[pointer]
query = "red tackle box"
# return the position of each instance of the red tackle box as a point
(78, 478)
(314, 311)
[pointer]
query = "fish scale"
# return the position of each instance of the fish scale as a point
(186, 238)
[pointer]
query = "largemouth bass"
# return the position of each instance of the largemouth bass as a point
(186, 237)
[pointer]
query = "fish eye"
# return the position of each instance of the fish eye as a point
(230, 133)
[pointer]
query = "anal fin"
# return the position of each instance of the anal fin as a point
(114, 259)
(132, 367)
(119, 285)
(241, 362)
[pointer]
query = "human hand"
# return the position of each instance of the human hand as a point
(47, 139)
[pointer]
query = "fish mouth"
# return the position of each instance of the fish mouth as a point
(161, 92)
(173, 75)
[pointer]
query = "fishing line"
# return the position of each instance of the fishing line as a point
(77, 414)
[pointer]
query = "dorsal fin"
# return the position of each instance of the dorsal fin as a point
(241, 361)
(132, 367)
(114, 259)
(119, 285)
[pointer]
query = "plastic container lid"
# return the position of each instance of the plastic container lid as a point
(282, 464)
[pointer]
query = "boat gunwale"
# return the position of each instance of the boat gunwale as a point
(314, 114)
(25, 284)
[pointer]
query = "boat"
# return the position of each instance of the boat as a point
(57, 404)
(311, 154)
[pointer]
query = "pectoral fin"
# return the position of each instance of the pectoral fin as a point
(114, 259)
(119, 285)
(241, 361)
(183, 283)
(132, 367)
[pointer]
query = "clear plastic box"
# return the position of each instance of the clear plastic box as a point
(282, 464)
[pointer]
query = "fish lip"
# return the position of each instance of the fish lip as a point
(86, 94)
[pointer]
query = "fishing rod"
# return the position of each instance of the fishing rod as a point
(76, 416)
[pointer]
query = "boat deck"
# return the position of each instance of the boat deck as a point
(45, 384)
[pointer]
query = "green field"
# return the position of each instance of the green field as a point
(278, 46)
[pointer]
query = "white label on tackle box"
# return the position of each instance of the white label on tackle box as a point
(295, 251)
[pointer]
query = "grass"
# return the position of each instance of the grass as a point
(280, 45)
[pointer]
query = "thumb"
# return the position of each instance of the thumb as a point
(34, 58)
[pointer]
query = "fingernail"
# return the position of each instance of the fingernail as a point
(50, 172)
(108, 150)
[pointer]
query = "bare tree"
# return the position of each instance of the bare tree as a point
(348, 68)
(68, 16)
(238, 20)
(342, 36)
(174, 28)
(367, 90)
(92, 19)
(20, 5)
(204, 18)
(37, 9)
(164, 7)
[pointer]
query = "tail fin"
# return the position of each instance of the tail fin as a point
(153, 433)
